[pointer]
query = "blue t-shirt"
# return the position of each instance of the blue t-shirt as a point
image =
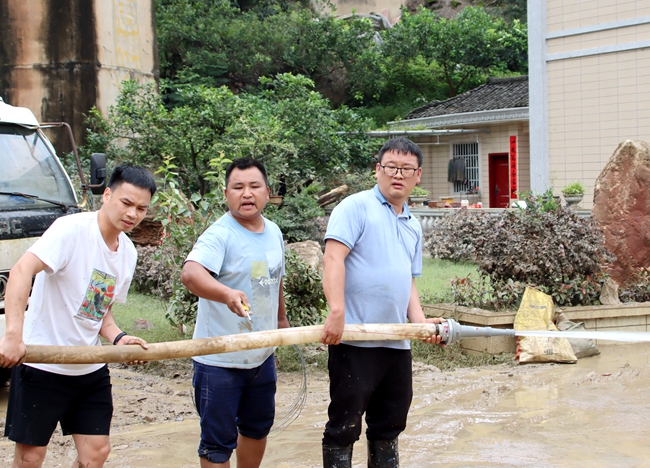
(252, 262)
(385, 255)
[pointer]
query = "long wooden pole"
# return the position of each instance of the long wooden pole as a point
(221, 344)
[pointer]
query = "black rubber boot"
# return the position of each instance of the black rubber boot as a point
(335, 456)
(383, 454)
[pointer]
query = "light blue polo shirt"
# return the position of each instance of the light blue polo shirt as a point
(252, 262)
(385, 255)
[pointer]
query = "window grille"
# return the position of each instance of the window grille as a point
(468, 151)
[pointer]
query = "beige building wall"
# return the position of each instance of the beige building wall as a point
(597, 70)
(436, 156)
(127, 46)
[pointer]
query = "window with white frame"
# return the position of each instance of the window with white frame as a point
(468, 153)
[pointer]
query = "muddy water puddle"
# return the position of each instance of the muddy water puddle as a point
(594, 413)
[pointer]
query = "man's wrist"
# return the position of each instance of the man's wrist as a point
(119, 337)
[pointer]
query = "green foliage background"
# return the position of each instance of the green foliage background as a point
(294, 86)
(383, 73)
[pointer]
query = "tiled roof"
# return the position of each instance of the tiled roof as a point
(497, 93)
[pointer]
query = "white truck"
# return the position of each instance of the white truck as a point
(34, 187)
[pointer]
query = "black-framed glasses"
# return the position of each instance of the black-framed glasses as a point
(391, 171)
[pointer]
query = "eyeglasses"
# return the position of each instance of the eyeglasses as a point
(391, 171)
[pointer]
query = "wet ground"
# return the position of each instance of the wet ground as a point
(593, 413)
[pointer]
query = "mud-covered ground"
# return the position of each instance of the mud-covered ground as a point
(594, 413)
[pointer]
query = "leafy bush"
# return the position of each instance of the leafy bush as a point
(151, 274)
(303, 292)
(639, 290)
(159, 268)
(553, 250)
(296, 217)
(574, 188)
(419, 192)
(454, 237)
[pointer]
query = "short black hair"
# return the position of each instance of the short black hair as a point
(134, 175)
(401, 145)
(243, 164)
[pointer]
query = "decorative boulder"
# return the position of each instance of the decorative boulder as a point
(310, 253)
(622, 208)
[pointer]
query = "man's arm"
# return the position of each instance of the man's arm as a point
(283, 322)
(12, 347)
(415, 314)
(110, 331)
(334, 288)
(198, 280)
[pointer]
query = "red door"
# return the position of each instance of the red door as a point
(499, 181)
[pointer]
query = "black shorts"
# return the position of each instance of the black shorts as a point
(38, 400)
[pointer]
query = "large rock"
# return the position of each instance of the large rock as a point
(310, 253)
(622, 208)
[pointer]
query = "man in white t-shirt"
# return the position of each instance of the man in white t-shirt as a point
(236, 269)
(83, 264)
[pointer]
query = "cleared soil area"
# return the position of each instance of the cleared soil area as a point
(593, 413)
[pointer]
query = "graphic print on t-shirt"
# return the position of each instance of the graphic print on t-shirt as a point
(99, 295)
(264, 285)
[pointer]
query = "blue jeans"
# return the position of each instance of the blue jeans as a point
(231, 402)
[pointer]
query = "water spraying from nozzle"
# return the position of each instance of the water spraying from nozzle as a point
(452, 331)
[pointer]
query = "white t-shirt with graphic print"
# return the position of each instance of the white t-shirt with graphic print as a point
(82, 279)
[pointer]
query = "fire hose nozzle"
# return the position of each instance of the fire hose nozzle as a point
(452, 331)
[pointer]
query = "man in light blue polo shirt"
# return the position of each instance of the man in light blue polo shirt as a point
(373, 252)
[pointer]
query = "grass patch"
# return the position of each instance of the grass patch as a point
(139, 307)
(288, 360)
(434, 285)
(453, 357)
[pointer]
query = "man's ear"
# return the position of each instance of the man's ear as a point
(106, 195)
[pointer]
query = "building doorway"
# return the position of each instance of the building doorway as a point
(499, 181)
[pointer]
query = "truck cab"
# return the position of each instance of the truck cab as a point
(34, 187)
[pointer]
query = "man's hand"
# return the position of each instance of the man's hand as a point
(435, 339)
(333, 330)
(133, 340)
(236, 300)
(12, 352)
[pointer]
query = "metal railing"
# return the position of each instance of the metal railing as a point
(428, 216)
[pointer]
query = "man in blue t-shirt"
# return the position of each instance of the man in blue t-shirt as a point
(236, 269)
(373, 251)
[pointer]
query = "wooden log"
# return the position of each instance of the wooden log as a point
(221, 344)
(331, 196)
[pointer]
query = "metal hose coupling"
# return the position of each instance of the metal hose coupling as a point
(452, 331)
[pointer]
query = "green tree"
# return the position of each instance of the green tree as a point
(287, 125)
(235, 43)
(462, 50)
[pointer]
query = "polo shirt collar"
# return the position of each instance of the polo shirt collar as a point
(380, 196)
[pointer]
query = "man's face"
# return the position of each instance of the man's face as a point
(397, 188)
(125, 206)
(246, 193)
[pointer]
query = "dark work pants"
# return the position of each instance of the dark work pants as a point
(377, 381)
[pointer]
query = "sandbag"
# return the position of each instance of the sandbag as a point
(536, 312)
(582, 348)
